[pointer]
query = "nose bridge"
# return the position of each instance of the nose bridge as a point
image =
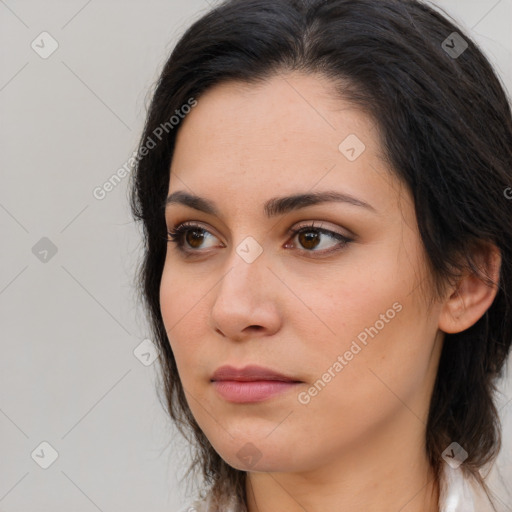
(242, 298)
(246, 269)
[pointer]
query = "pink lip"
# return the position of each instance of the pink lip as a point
(254, 391)
(250, 384)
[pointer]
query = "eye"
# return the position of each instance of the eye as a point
(316, 239)
(189, 238)
(191, 234)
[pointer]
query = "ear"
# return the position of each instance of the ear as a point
(472, 295)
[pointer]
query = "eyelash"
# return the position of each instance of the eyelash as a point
(177, 234)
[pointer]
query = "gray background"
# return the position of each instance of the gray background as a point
(70, 322)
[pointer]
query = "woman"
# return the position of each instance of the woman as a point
(323, 190)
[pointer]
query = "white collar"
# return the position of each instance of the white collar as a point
(459, 493)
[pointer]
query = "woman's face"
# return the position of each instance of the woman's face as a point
(347, 319)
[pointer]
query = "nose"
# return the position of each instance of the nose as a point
(245, 304)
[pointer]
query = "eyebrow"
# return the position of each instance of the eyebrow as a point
(273, 207)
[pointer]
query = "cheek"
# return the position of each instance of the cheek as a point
(374, 378)
(376, 321)
(181, 306)
(347, 307)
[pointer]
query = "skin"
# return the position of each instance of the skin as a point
(358, 444)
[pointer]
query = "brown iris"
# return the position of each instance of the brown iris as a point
(308, 239)
(194, 237)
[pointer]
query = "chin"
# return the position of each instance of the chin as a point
(259, 454)
(255, 461)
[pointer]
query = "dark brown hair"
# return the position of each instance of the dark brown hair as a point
(446, 127)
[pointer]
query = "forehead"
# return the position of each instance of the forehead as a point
(274, 136)
(282, 109)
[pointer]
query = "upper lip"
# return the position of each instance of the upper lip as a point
(249, 373)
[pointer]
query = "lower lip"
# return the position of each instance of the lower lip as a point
(248, 392)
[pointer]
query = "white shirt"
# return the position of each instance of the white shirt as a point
(457, 494)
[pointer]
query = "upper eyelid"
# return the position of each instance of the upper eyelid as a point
(192, 225)
(320, 225)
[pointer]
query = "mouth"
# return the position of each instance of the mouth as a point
(250, 373)
(251, 383)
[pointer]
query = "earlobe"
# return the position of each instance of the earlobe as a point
(472, 295)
